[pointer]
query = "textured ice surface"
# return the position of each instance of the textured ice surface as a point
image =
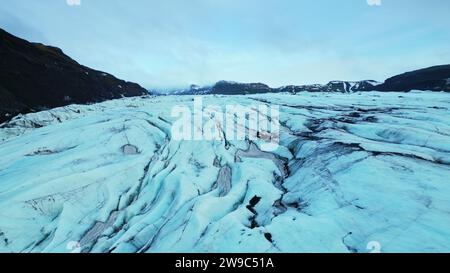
(351, 169)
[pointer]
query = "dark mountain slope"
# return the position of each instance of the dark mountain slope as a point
(436, 78)
(34, 77)
(234, 88)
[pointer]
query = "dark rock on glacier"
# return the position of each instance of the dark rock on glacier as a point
(35, 77)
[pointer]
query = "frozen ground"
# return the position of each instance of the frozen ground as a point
(354, 171)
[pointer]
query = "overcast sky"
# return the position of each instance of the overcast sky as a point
(174, 43)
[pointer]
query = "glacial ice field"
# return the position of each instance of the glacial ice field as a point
(358, 172)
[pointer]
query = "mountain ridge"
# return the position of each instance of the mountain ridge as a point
(35, 77)
(435, 78)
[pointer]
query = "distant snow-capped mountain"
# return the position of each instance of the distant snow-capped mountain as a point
(236, 88)
(333, 86)
(193, 90)
(435, 78)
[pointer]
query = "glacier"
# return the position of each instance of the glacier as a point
(352, 171)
